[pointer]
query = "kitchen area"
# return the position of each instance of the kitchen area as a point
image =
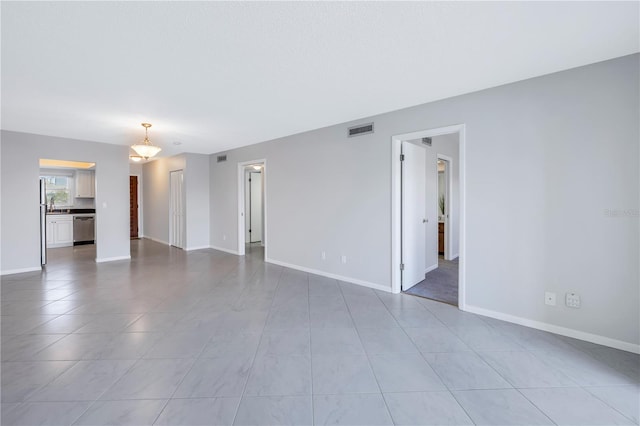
(67, 205)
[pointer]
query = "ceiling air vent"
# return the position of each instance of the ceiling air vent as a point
(426, 141)
(222, 158)
(362, 129)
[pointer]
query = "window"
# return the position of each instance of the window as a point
(58, 189)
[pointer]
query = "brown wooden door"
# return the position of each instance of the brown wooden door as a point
(133, 206)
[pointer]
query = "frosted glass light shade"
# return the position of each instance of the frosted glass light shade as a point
(146, 151)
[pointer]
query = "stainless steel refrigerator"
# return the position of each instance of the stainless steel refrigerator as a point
(43, 221)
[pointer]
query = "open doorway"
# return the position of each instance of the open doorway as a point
(448, 192)
(253, 204)
(440, 281)
(253, 208)
(67, 210)
(252, 229)
(428, 211)
(134, 205)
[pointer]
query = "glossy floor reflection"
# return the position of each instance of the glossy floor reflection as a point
(211, 338)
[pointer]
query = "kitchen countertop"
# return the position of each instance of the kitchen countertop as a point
(70, 211)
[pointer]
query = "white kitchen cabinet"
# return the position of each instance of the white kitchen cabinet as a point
(85, 184)
(59, 230)
(50, 224)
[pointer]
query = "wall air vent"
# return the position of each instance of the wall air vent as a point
(222, 158)
(426, 141)
(362, 129)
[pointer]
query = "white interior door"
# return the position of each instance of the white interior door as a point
(253, 207)
(247, 207)
(413, 214)
(445, 216)
(176, 214)
(256, 207)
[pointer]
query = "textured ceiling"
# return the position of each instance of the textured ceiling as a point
(214, 75)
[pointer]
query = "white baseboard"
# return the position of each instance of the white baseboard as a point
(166, 243)
(225, 250)
(196, 248)
(21, 270)
(430, 268)
(330, 275)
(112, 259)
(563, 331)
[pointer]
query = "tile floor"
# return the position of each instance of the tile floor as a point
(210, 338)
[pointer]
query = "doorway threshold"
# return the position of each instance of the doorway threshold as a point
(440, 285)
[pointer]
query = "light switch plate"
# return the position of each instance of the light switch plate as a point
(572, 300)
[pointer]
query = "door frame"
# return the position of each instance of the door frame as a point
(172, 243)
(241, 213)
(140, 212)
(404, 232)
(249, 176)
(396, 202)
(448, 203)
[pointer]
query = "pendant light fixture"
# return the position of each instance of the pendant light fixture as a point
(146, 150)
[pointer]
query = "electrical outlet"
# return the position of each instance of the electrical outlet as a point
(343, 259)
(224, 238)
(323, 255)
(572, 300)
(549, 298)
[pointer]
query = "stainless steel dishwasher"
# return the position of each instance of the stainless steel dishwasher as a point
(83, 229)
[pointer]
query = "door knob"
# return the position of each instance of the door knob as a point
(424, 220)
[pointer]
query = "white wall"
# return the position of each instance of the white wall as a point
(311, 206)
(197, 181)
(21, 153)
(156, 196)
(567, 144)
(135, 169)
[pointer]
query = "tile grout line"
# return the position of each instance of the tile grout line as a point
(92, 403)
(196, 283)
(246, 383)
(313, 413)
(366, 353)
(448, 389)
(535, 405)
(195, 360)
(191, 368)
(586, 389)
(136, 361)
(476, 353)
